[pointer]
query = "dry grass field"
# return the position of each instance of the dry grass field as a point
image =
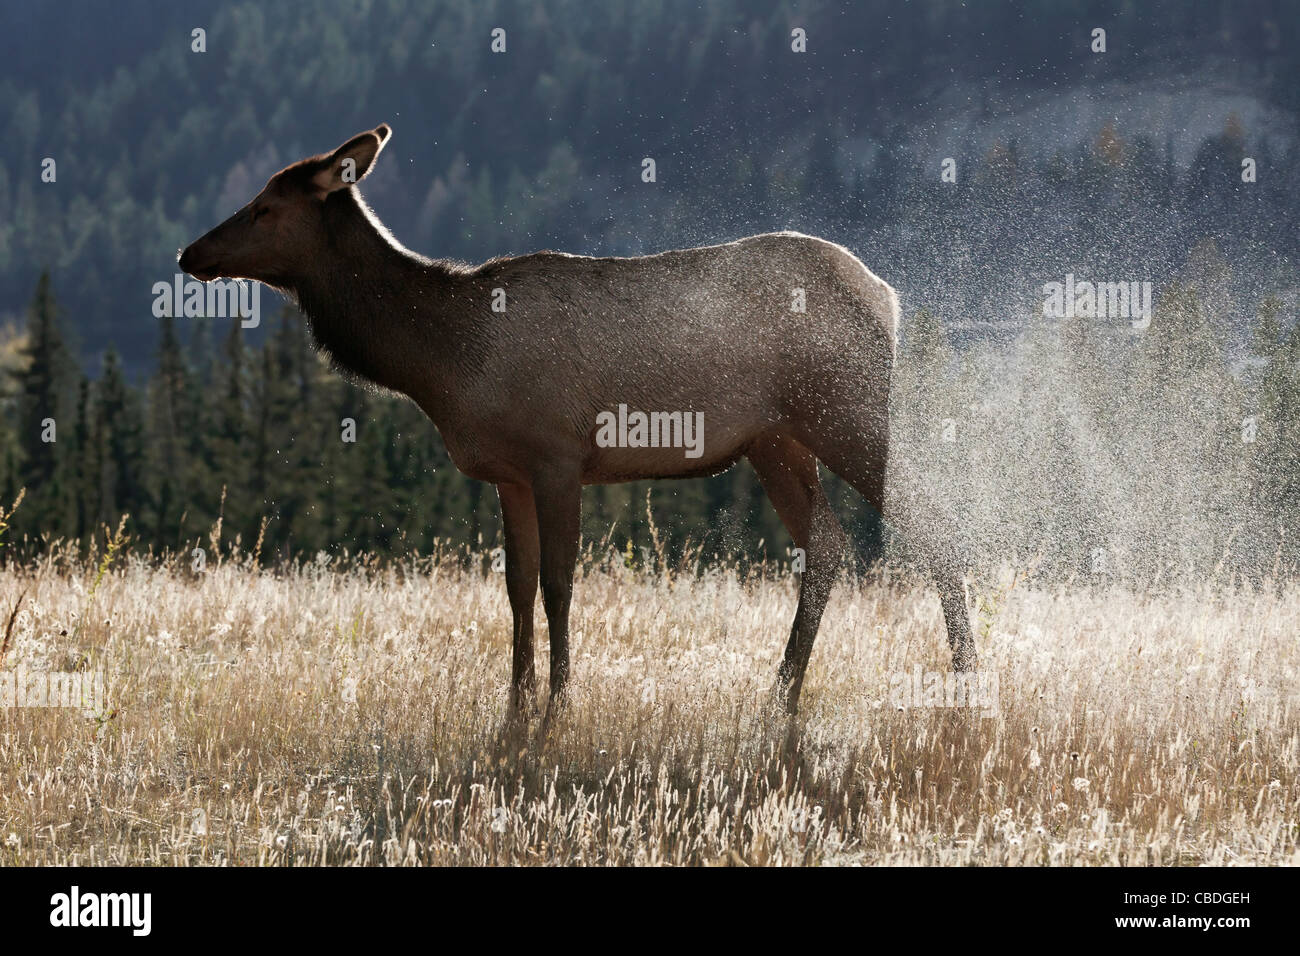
(356, 717)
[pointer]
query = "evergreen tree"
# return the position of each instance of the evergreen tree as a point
(120, 427)
(42, 384)
(1275, 471)
(231, 446)
(89, 464)
(166, 455)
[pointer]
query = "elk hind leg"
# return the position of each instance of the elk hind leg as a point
(858, 451)
(558, 499)
(788, 472)
(523, 558)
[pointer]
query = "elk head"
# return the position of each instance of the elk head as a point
(281, 234)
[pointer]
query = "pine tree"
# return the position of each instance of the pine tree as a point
(42, 386)
(89, 466)
(231, 445)
(119, 423)
(166, 456)
(1275, 465)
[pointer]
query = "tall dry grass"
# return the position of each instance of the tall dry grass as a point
(356, 716)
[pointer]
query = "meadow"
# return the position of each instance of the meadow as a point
(354, 713)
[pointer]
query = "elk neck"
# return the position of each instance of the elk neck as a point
(381, 312)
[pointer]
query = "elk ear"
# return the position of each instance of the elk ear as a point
(351, 162)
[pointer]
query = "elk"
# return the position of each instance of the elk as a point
(517, 393)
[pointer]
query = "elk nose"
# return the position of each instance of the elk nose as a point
(190, 263)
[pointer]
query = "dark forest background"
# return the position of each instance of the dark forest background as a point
(1175, 448)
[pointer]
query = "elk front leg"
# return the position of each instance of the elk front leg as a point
(519, 519)
(559, 507)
